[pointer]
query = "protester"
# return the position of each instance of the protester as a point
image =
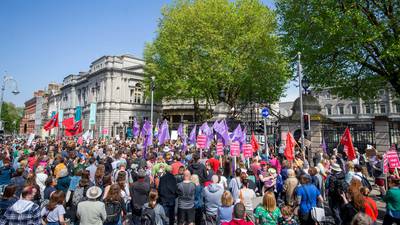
(186, 194)
(392, 199)
(92, 211)
(198, 200)
(247, 196)
(114, 205)
(167, 192)
(54, 211)
(289, 187)
(160, 217)
(267, 213)
(239, 215)
(307, 196)
(23, 211)
(140, 192)
(226, 208)
(212, 200)
(8, 198)
(336, 186)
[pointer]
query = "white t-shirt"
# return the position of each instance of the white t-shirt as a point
(223, 182)
(53, 216)
(248, 196)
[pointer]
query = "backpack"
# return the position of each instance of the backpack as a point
(364, 182)
(337, 186)
(113, 210)
(148, 216)
(78, 195)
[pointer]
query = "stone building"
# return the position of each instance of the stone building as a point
(375, 122)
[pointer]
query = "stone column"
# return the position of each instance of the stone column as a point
(382, 138)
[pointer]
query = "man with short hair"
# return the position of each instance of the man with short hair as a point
(24, 211)
(239, 216)
(212, 199)
(197, 168)
(186, 190)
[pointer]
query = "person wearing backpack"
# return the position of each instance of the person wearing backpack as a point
(115, 206)
(53, 213)
(151, 208)
(358, 175)
(139, 194)
(336, 186)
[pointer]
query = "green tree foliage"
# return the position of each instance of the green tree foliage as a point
(11, 117)
(351, 46)
(204, 46)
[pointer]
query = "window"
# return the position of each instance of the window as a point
(354, 109)
(397, 106)
(137, 94)
(369, 108)
(340, 110)
(328, 109)
(382, 108)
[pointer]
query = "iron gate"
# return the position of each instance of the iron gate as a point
(362, 135)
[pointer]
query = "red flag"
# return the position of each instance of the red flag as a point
(254, 142)
(289, 148)
(348, 144)
(68, 123)
(53, 122)
(75, 130)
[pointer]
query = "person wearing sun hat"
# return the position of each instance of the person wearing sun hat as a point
(92, 211)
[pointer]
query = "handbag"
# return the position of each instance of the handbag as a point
(317, 213)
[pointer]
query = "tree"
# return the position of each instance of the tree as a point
(352, 47)
(205, 46)
(11, 117)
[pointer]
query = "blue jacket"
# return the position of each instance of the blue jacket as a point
(5, 175)
(198, 197)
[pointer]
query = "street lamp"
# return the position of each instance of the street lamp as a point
(6, 80)
(301, 101)
(152, 86)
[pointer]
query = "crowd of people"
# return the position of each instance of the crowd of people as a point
(58, 182)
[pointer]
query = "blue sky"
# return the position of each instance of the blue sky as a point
(43, 41)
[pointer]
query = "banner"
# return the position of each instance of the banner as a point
(393, 159)
(30, 139)
(247, 150)
(220, 149)
(235, 149)
(78, 113)
(385, 164)
(201, 141)
(92, 114)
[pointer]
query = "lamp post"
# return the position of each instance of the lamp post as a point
(6, 80)
(301, 101)
(152, 86)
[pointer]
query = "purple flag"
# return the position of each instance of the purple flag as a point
(157, 129)
(323, 146)
(180, 131)
(206, 130)
(192, 135)
(164, 133)
(222, 131)
(184, 143)
(237, 134)
(147, 132)
(136, 128)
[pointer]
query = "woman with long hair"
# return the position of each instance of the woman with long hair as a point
(98, 176)
(8, 198)
(115, 206)
(267, 213)
(107, 182)
(352, 207)
(226, 209)
(160, 217)
(198, 199)
(53, 213)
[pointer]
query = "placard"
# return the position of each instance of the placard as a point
(174, 135)
(235, 149)
(201, 141)
(393, 159)
(220, 149)
(104, 131)
(247, 150)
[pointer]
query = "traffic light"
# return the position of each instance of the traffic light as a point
(306, 118)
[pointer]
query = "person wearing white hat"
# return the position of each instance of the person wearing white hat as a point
(92, 211)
